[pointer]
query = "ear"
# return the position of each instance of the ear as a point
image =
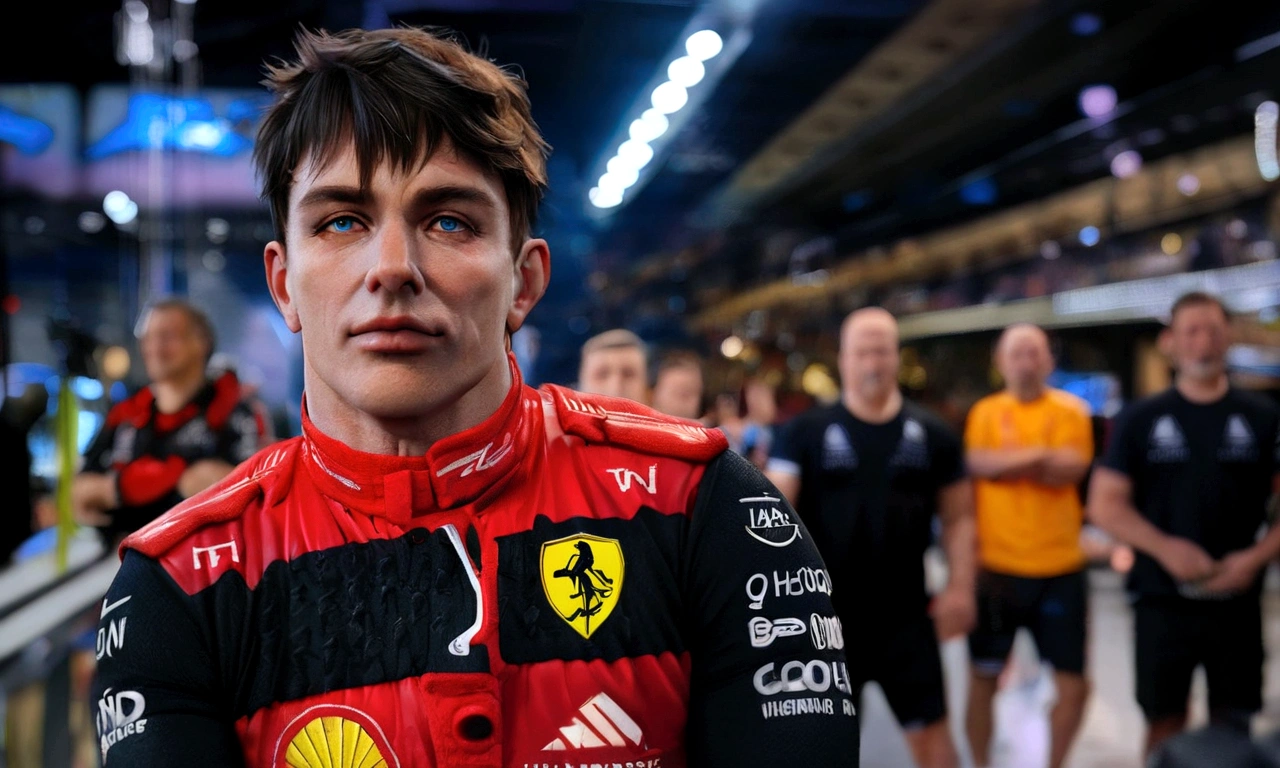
(277, 268)
(528, 282)
(1164, 343)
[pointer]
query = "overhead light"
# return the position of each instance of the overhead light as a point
(1171, 243)
(1090, 236)
(115, 363)
(1126, 164)
(620, 181)
(119, 208)
(686, 71)
(731, 347)
(618, 165)
(636, 153)
(213, 260)
(704, 44)
(1098, 101)
(650, 125)
(1188, 184)
(185, 50)
(1264, 139)
(669, 97)
(92, 222)
(604, 198)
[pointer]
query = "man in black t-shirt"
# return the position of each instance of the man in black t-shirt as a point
(867, 476)
(1185, 481)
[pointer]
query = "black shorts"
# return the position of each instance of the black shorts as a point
(1053, 609)
(1174, 635)
(902, 656)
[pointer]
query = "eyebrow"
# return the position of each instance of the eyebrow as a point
(433, 196)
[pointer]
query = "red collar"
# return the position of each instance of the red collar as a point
(455, 471)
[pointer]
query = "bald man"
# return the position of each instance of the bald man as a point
(1028, 448)
(868, 475)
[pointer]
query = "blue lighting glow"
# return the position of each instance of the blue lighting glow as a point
(28, 134)
(979, 192)
(159, 122)
(1090, 236)
(87, 388)
(1086, 24)
(856, 201)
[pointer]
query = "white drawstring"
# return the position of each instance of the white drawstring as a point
(461, 645)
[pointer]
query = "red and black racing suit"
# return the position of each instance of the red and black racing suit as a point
(577, 581)
(148, 450)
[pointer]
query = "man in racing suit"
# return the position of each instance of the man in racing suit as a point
(175, 437)
(448, 568)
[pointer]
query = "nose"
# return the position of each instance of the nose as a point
(395, 268)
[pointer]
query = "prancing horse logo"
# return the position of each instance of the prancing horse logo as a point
(582, 578)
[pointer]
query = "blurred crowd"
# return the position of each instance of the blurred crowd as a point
(878, 480)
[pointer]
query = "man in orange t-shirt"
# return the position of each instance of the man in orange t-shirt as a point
(1028, 448)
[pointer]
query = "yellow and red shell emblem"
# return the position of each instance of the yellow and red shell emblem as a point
(334, 736)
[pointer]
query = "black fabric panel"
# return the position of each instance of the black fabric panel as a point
(347, 617)
(650, 607)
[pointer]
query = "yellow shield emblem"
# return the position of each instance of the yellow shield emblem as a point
(582, 578)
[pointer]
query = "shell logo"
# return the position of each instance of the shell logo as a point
(334, 736)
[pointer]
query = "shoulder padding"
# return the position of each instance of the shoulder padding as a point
(627, 424)
(224, 501)
(135, 409)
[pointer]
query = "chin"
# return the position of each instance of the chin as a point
(400, 394)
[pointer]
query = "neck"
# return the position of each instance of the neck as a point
(1028, 393)
(877, 409)
(173, 394)
(1203, 390)
(411, 435)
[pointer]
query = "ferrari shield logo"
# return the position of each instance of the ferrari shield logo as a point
(582, 577)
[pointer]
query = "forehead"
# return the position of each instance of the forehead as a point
(615, 356)
(872, 332)
(167, 317)
(1199, 314)
(1025, 340)
(682, 374)
(445, 167)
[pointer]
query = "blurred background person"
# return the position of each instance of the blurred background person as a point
(678, 385)
(173, 438)
(868, 476)
(1186, 482)
(615, 363)
(746, 416)
(1027, 448)
(760, 405)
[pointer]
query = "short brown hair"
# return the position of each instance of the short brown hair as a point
(680, 358)
(618, 338)
(396, 94)
(199, 321)
(1197, 299)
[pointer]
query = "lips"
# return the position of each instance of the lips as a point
(394, 324)
(395, 335)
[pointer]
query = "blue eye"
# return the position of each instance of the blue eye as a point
(449, 224)
(343, 224)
